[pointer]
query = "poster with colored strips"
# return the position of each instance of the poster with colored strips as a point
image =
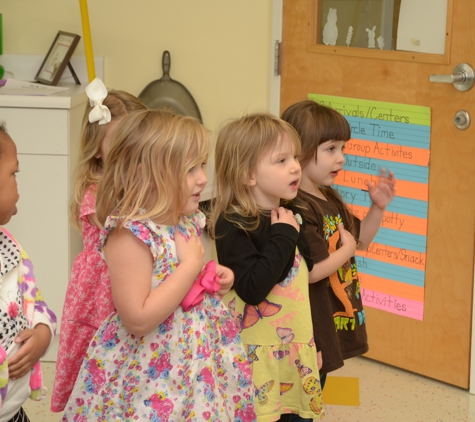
(395, 137)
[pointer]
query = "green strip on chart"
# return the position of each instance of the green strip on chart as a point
(377, 110)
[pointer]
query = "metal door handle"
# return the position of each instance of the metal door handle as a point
(462, 77)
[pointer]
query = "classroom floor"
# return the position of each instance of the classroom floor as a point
(385, 394)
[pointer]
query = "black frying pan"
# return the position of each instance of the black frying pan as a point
(169, 94)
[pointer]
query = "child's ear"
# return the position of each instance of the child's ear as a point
(251, 180)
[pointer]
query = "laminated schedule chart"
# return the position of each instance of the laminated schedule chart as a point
(395, 137)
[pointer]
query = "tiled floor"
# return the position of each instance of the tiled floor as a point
(386, 394)
(389, 394)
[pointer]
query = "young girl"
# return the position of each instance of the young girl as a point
(331, 232)
(259, 234)
(171, 351)
(27, 325)
(88, 298)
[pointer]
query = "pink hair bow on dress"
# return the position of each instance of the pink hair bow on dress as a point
(206, 282)
(97, 93)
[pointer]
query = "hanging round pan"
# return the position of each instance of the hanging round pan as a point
(165, 93)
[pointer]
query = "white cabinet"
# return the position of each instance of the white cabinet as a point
(46, 130)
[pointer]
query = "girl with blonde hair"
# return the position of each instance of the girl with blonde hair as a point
(88, 297)
(259, 234)
(171, 351)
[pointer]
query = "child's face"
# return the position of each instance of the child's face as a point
(8, 186)
(105, 143)
(277, 175)
(195, 183)
(327, 164)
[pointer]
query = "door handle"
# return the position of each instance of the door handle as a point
(462, 77)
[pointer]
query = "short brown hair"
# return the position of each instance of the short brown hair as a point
(316, 123)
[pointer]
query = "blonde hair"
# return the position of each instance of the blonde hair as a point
(146, 168)
(89, 168)
(240, 145)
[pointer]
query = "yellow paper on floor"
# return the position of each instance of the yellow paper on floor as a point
(342, 391)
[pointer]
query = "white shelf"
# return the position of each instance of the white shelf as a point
(74, 96)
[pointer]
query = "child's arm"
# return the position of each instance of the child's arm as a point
(35, 343)
(381, 196)
(38, 339)
(257, 270)
(130, 268)
(322, 269)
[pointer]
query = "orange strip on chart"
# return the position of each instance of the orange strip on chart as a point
(395, 221)
(390, 287)
(395, 256)
(388, 152)
(405, 189)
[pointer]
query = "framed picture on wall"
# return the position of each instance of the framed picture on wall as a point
(57, 58)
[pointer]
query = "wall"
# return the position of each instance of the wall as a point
(220, 49)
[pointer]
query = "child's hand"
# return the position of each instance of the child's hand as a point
(282, 215)
(226, 279)
(190, 252)
(35, 343)
(319, 360)
(383, 193)
(346, 239)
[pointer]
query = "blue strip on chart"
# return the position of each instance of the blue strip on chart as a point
(390, 271)
(402, 240)
(373, 166)
(412, 207)
(405, 134)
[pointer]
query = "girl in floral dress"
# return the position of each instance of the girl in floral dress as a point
(88, 297)
(171, 352)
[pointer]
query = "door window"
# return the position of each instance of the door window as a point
(359, 23)
(411, 30)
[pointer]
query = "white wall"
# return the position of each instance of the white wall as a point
(219, 48)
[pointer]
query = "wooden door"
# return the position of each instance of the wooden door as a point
(438, 346)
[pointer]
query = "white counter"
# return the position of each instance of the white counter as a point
(71, 98)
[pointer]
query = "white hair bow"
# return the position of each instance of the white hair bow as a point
(97, 92)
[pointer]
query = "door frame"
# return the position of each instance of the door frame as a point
(472, 352)
(276, 36)
(274, 108)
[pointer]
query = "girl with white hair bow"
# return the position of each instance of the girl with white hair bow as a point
(88, 297)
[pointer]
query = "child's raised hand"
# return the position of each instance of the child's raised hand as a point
(226, 279)
(35, 343)
(283, 215)
(383, 193)
(190, 252)
(346, 239)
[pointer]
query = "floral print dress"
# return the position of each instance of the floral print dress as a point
(87, 304)
(192, 367)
